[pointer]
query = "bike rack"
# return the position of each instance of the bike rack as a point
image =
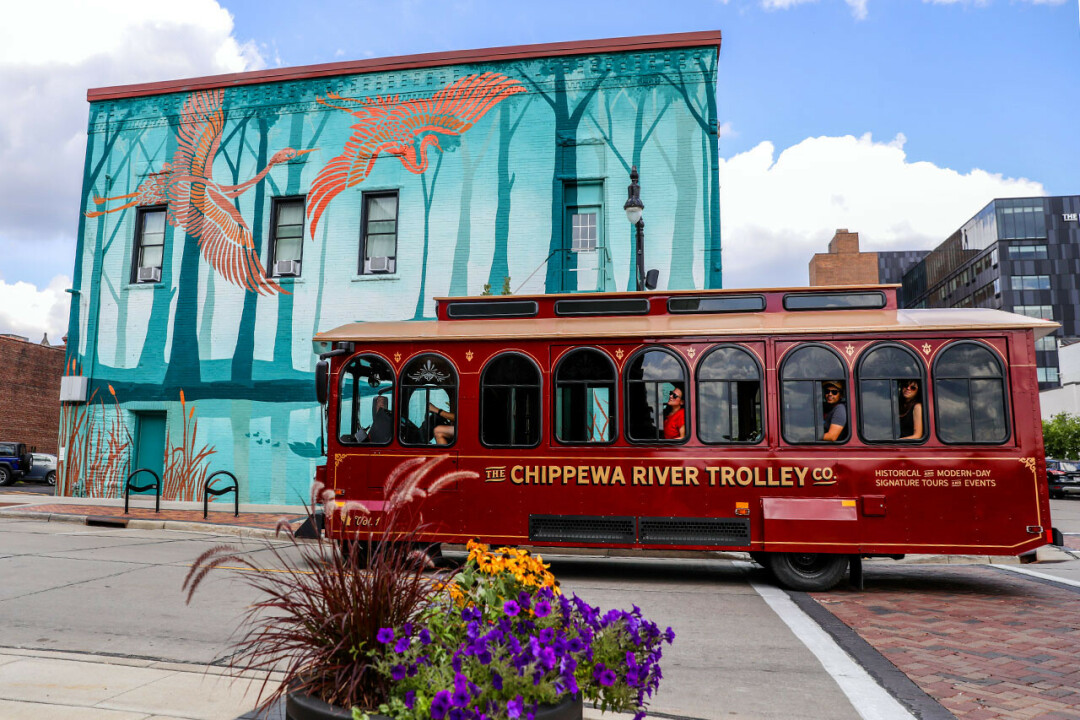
(217, 492)
(156, 485)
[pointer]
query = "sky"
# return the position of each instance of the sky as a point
(898, 119)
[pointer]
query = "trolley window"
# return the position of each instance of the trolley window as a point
(835, 301)
(969, 395)
(725, 304)
(428, 401)
(585, 397)
(729, 397)
(366, 407)
(814, 388)
(510, 402)
(656, 401)
(891, 404)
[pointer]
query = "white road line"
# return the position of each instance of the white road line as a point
(1044, 576)
(868, 698)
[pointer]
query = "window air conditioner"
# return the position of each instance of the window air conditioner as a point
(290, 268)
(149, 274)
(379, 264)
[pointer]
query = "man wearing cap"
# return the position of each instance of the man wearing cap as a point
(834, 410)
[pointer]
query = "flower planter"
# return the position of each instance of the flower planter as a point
(569, 709)
(301, 706)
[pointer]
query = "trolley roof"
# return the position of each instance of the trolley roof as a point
(664, 315)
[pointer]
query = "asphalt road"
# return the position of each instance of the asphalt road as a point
(743, 649)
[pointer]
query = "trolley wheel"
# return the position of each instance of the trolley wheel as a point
(808, 571)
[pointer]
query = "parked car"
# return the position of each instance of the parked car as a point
(44, 469)
(1062, 476)
(15, 462)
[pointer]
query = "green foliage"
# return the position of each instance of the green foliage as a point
(506, 286)
(1061, 434)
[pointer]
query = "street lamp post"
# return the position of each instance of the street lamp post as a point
(633, 208)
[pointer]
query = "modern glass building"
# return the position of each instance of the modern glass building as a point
(1017, 254)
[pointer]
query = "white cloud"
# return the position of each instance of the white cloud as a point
(50, 54)
(25, 310)
(782, 4)
(778, 211)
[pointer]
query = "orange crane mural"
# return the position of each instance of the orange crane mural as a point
(200, 206)
(404, 130)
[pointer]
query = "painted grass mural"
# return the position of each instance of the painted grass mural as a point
(486, 163)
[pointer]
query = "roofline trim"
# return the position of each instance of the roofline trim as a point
(410, 62)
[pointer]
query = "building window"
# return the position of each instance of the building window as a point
(807, 373)
(287, 237)
(997, 286)
(1021, 218)
(429, 412)
(969, 395)
(729, 397)
(149, 245)
(1046, 344)
(656, 400)
(585, 397)
(1030, 282)
(1028, 252)
(510, 406)
(1047, 374)
(378, 253)
(367, 402)
(891, 405)
(583, 231)
(1045, 312)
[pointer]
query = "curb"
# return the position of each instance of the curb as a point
(144, 524)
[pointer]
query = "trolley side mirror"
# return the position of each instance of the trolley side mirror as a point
(650, 279)
(322, 381)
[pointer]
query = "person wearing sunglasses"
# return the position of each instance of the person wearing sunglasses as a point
(911, 410)
(675, 415)
(835, 411)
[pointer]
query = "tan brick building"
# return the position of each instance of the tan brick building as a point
(30, 393)
(844, 264)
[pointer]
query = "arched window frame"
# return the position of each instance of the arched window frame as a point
(540, 394)
(846, 379)
(1003, 377)
(614, 397)
(356, 409)
(761, 392)
(922, 379)
(455, 377)
(686, 381)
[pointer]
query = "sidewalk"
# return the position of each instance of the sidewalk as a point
(45, 685)
(253, 521)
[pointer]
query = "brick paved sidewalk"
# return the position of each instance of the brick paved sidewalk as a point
(79, 513)
(983, 643)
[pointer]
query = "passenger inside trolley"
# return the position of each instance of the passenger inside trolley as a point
(911, 410)
(835, 410)
(675, 415)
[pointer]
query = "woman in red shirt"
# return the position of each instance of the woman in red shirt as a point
(675, 415)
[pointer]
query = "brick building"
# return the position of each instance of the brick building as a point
(30, 393)
(226, 220)
(844, 264)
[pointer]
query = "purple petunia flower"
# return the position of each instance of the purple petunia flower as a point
(513, 708)
(608, 678)
(385, 636)
(398, 672)
(425, 636)
(524, 599)
(511, 608)
(542, 609)
(461, 697)
(547, 635)
(496, 680)
(440, 704)
(410, 699)
(401, 645)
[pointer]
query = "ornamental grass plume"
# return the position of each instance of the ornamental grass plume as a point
(319, 614)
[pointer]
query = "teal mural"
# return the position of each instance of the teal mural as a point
(413, 183)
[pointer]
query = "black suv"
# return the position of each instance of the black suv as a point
(15, 462)
(1062, 476)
